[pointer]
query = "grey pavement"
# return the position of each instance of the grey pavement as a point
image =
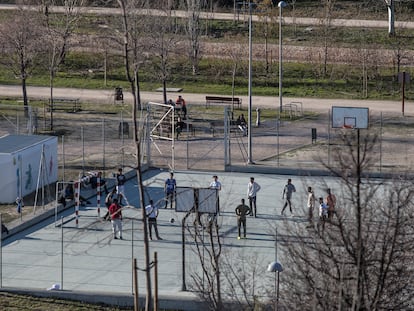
(87, 261)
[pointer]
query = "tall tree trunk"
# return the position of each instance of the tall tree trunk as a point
(25, 100)
(137, 141)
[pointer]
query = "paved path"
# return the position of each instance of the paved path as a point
(231, 16)
(309, 104)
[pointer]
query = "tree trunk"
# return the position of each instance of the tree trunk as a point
(25, 100)
(137, 140)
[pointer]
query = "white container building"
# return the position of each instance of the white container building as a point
(27, 162)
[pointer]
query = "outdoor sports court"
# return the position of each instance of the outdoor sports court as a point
(87, 258)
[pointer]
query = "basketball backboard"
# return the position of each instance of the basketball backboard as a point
(204, 198)
(207, 200)
(350, 117)
(184, 199)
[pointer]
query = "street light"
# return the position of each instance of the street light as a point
(249, 126)
(276, 267)
(281, 5)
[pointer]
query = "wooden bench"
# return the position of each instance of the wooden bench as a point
(65, 104)
(223, 100)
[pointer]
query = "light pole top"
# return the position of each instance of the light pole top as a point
(275, 267)
(282, 4)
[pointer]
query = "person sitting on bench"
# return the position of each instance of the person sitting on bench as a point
(241, 123)
(69, 194)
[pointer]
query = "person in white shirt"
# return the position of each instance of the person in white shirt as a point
(215, 184)
(252, 189)
(323, 214)
(287, 195)
(152, 213)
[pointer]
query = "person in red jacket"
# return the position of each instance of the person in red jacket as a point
(180, 105)
(115, 211)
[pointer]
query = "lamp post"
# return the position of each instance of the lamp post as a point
(281, 5)
(276, 267)
(249, 126)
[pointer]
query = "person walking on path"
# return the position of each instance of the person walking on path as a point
(241, 211)
(331, 202)
(287, 195)
(152, 213)
(169, 189)
(120, 186)
(252, 189)
(215, 184)
(311, 205)
(115, 211)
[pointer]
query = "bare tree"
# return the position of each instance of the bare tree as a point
(264, 12)
(21, 39)
(209, 249)
(235, 52)
(228, 280)
(326, 20)
(59, 29)
(194, 31)
(163, 42)
(132, 54)
(362, 260)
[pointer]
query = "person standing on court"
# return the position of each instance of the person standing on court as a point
(169, 189)
(151, 212)
(215, 184)
(115, 210)
(287, 195)
(252, 189)
(331, 202)
(311, 204)
(242, 210)
(120, 186)
(109, 199)
(323, 214)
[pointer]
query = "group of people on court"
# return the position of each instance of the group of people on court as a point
(114, 202)
(242, 210)
(326, 209)
(326, 206)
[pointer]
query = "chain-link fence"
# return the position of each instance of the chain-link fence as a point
(90, 141)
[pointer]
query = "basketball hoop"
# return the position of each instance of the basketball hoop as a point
(350, 117)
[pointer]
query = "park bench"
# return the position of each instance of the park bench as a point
(235, 101)
(65, 104)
